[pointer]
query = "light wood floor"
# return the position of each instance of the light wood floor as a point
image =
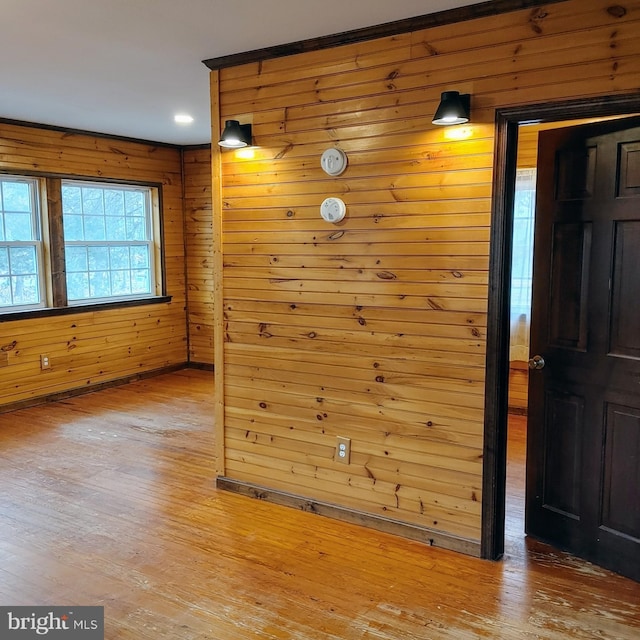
(108, 499)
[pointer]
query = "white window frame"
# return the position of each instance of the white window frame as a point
(40, 228)
(522, 263)
(151, 242)
(47, 220)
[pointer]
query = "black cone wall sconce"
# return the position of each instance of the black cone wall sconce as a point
(235, 135)
(454, 108)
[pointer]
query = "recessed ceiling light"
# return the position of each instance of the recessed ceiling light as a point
(183, 118)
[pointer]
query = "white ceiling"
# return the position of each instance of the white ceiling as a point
(125, 67)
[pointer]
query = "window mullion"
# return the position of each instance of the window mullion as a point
(56, 235)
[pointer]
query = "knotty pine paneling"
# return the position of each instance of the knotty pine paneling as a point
(92, 347)
(199, 247)
(374, 329)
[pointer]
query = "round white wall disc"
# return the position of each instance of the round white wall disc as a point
(333, 209)
(333, 161)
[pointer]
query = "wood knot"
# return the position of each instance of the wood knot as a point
(336, 236)
(262, 331)
(9, 347)
(535, 17)
(379, 378)
(431, 50)
(284, 151)
(386, 275)
(263, 405)
(616, 11)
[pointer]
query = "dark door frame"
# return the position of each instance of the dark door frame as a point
(497, 360)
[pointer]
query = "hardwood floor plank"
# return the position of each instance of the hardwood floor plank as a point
(109, 499)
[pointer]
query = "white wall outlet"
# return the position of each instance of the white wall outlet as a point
(45, 363)
(343, 450)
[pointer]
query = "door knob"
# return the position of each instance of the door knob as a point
(537, 362)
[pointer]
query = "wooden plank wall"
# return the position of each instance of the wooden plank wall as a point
(374, 329)
(199, 241)
(93, 347)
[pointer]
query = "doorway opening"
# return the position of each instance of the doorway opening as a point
(524, 207)
(509, 124)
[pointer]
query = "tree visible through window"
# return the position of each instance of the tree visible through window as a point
(105, 239)
(20, 244)
(108, 241)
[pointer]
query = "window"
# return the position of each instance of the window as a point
(108, 241)
(66, 243)
(20, 244)
(522, 262)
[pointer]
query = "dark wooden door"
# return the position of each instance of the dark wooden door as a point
(583, 449)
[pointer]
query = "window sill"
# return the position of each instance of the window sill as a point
(81, 308)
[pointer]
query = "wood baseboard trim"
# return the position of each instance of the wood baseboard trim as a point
(70, 393)
(203, 366)
(430, 537)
